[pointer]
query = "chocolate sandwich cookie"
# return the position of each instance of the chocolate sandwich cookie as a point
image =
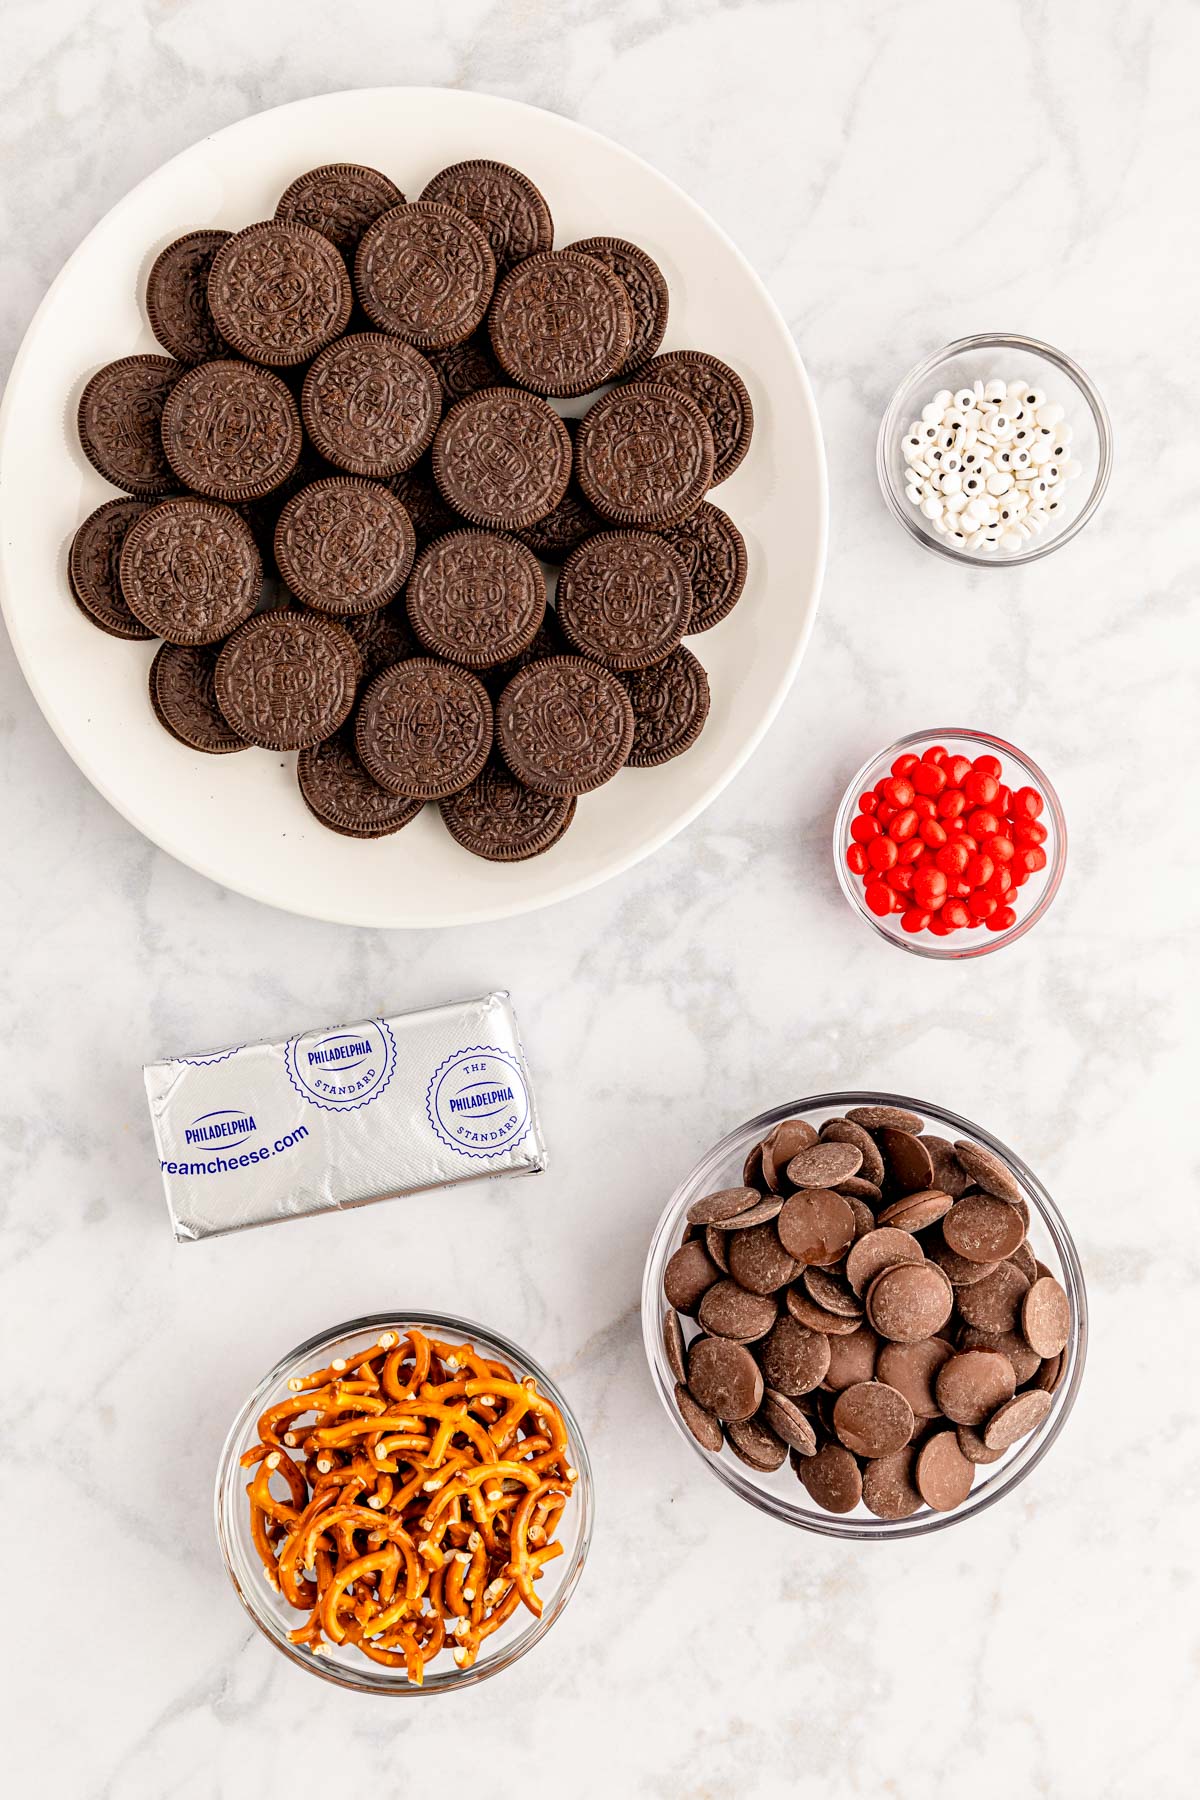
(231, 431)
(504, 204)
(721, 395)
(714, 553)
(345, 545)
(120, 418)
(382, 638)
(500, 819)
(645, 289)
(288, 679)
(417, 492)
(644, 455)
(624, 598)
(371, 404)
(425, 273)
(502, 458)
(476, 598)
(340, 200)
(93, 568)
(279, 292)
(183, 695)
(670, 705)
(564, 726)
(338, 791)
(177, 297)
(424, 729)
(560, 323)
(190, 570)
(466, 368)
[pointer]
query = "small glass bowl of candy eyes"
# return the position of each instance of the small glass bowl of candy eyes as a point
(995, 451)
(950, 843)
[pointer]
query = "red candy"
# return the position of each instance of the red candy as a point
(953, 859)
(878, 898)
(929, 778)
(945, 843)
(979, 788)
(929, 887)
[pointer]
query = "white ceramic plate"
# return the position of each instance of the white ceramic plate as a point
(239, 819)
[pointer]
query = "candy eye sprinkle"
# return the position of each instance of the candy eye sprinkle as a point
(970, 449)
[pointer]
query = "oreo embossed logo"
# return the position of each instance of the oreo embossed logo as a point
(345, 1068)
(477, 1101)
(228, 1125)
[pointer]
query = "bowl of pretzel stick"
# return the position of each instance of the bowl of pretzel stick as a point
(404, 1504)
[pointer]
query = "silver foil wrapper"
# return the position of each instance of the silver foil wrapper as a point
(338, 1117)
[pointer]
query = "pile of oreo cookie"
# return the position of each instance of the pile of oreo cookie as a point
(341, 480)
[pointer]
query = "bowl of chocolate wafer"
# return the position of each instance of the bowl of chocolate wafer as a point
(865, 1314)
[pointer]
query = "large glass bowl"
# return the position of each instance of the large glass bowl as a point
(1032, 900)
(780, 1493)
(346, 1666)
(1013, 357)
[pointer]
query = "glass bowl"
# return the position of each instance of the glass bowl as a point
(1011, 357)
(1019, 770)
(346, 1666)
(780, 1493)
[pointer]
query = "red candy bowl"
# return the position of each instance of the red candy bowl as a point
(951, 843)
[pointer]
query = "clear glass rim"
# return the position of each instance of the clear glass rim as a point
(1023, 1461)
(372, 1680)
(947, 951)
(1004, 340)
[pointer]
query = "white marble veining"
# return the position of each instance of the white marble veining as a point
(901, 176)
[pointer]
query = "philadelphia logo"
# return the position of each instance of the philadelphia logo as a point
(342, 1051)
(480, 1099)
(227, 1126)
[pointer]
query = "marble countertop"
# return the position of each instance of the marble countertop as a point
(900, 176)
